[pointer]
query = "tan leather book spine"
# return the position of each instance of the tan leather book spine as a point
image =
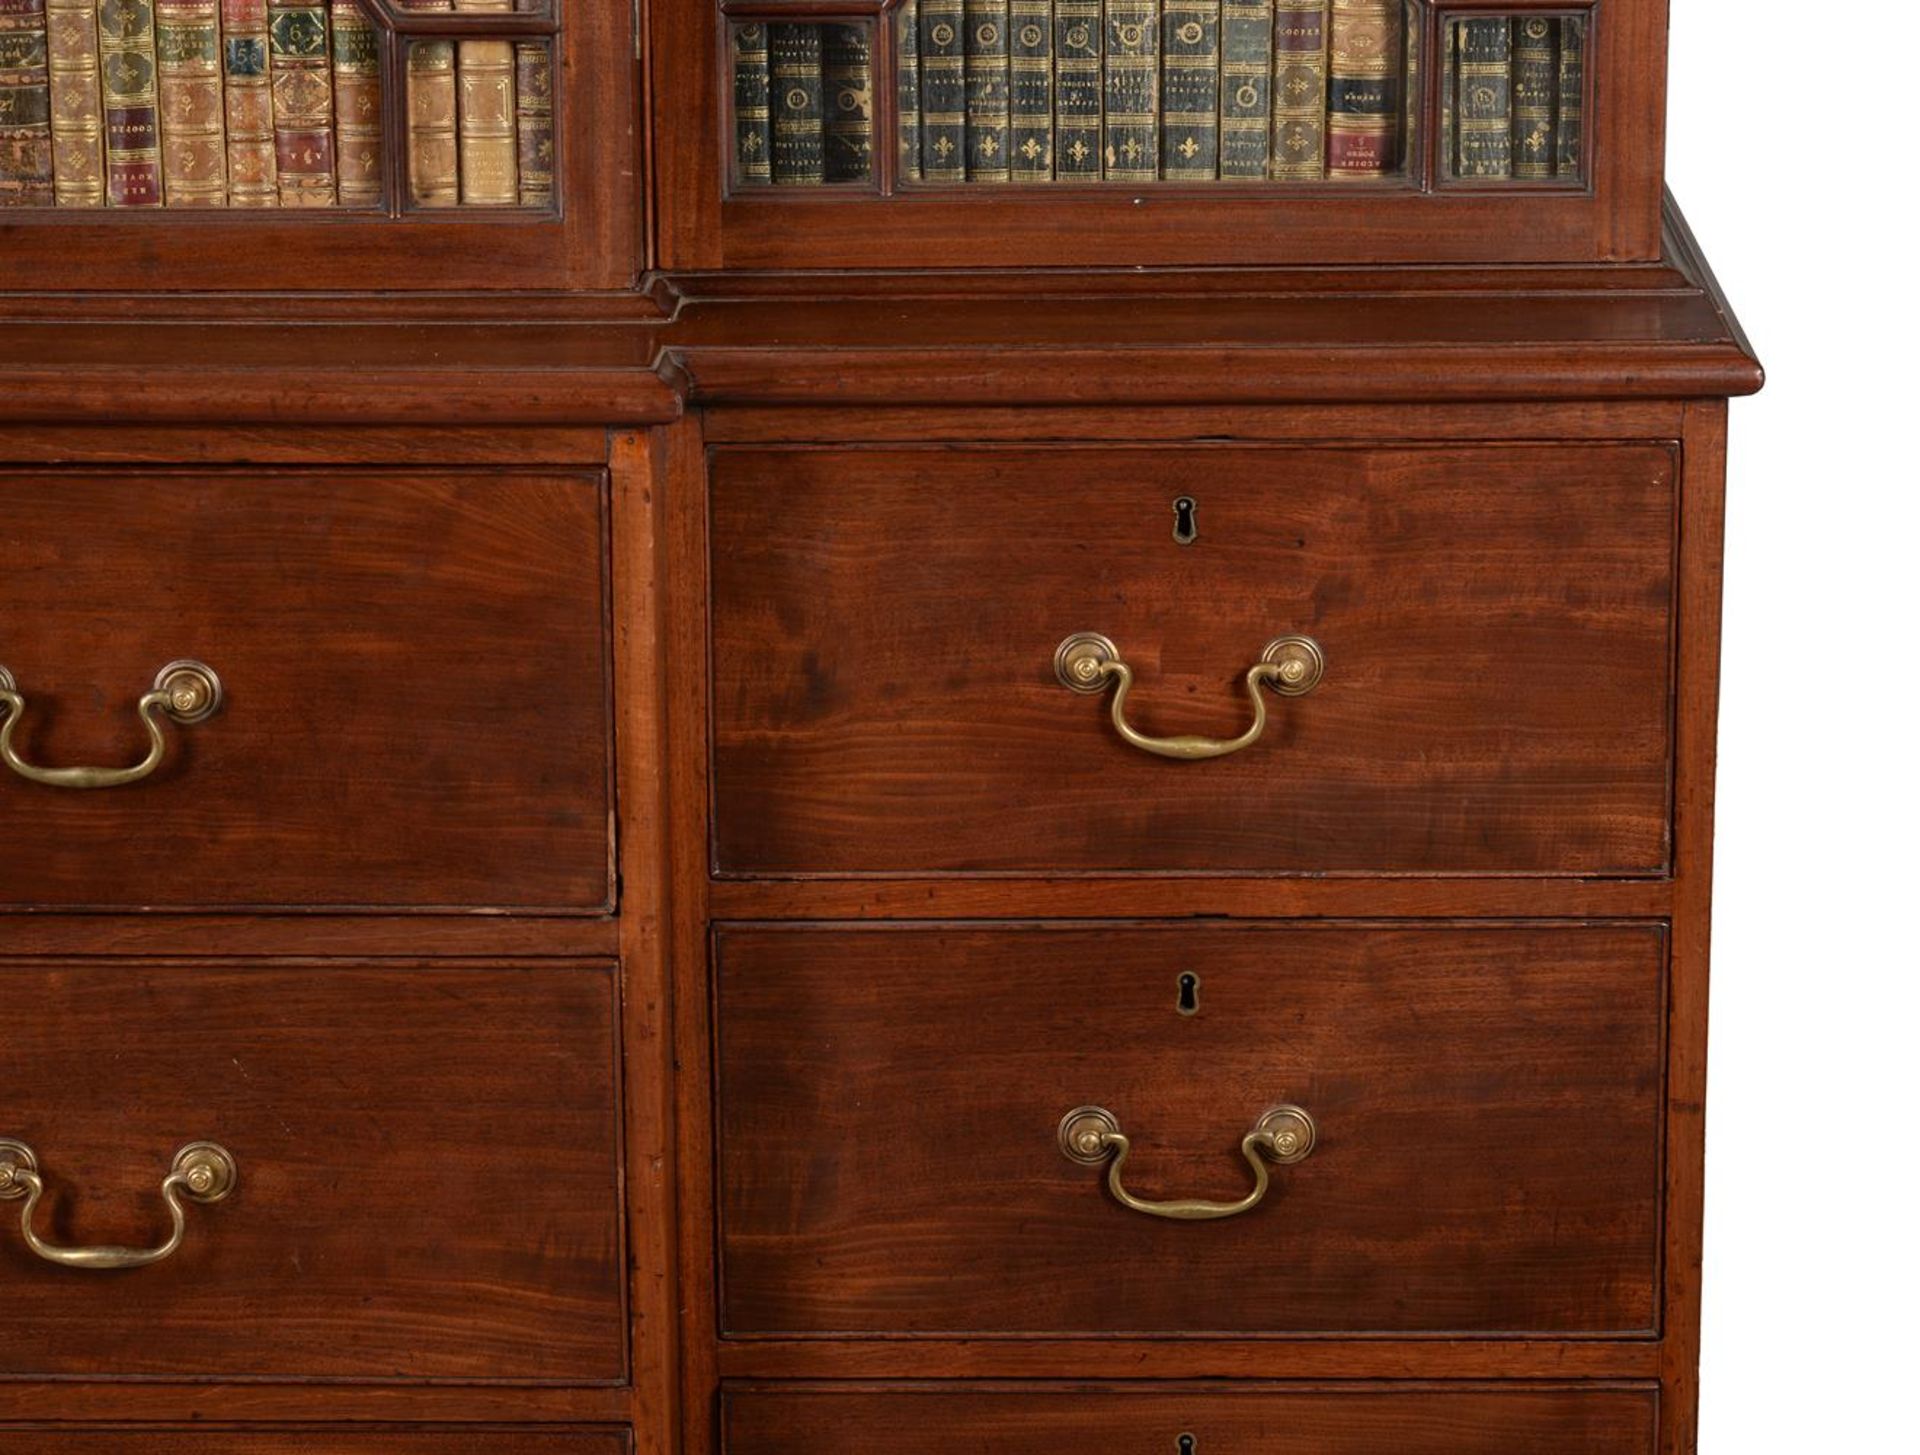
(489, 170)
(302, 102)
(193, 133)
(252, 178)
(356, 104)
(73, 70)
(433, 150)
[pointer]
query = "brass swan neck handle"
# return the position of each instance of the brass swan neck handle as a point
(186, 691)
(202, 1172)
(1091, 1135)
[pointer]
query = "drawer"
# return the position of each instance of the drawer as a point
(1495, 624)
(1485, 1106)
(414, 689)
(306, 1440)
(1407, 1420)
(427, 1172)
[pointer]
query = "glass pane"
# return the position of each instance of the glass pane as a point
(802, 104)
(1512, 95)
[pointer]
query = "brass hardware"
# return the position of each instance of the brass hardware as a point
(1291, 666)
(1186, 530)
(186, 691)
(1091, 1134)
(202, 1172)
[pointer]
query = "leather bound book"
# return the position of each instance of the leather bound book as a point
(130, 107)
(1482, 109)
(1299, 90)
(989, 99)
(943, 92)
(1363, 89)
(1246, 87)
(489, 127)
(1132, 140)
(1190, 90)
(906, 79)
(1535, 45)
(1030, 130)
(356, 104)
(193, 132)
(26, 113)
(433, 131)
(1449, 74)
(533, 120)
(799, 106)
(846, 71)
(252, 178)
(73, 91)
(752, 121)
(302, 84)
(1076, 90)
(1570, 87)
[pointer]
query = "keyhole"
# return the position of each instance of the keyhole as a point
(1189, 995)
(1184, 529)
(1185, 1444)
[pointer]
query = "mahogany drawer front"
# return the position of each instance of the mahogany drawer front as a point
(1487, 1103)
(310, 1440)
(428, 1171)
(1407, 1420)
(415, 679)
(1496, 623)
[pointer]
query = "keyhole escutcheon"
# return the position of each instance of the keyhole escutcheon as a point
(1189, 1001)
(1186, 1445)
(1185, 529)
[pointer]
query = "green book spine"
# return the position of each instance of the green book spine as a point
(907, 89)
(943, 92)
(1533, 77)
(989, 98)
(798, 105)
(1246, 86)
(1076, 79)
(129, 103)
(1570, 89)
(1030, 124)
(847, 74)
(1132, 140)
(1299, 91)
(1449, 70)
(26, 106)
(1190, 90)
(752, 120)
(1483, 112)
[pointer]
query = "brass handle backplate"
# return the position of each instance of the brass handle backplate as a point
(1291, 666)
(186, 691)
(1091, 1135)
(202, 1172)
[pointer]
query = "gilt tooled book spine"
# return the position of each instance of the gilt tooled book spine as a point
(356, 104)
(799, 106)
(433, 129)
(1132, 122)
(1030, 127)
(73, 92)
(1246, 87)
(533, 119)
(489, 127)
(846, 69)
(1570, 87)
(1363, 89)
(989, 96)
(943, 92)
(1190, 90)
(252, 178)
(1076, 89)
(130, 107)
(1448, 72)
(26, 108)
(302, 85)
(752, 121)
(1482, 109)
(1535, 44)
(193, 132)
(906, 81)
(1299, 91)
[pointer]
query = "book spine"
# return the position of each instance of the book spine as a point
(1246, 87)
(943, 92)
(73, 88)
(433, 145)
(489, 168)
(1570, 86)
(1482, 121)
(1190, 90)
(1535, 42)
(302, 87)
(989, 98)
(26, 107)
(1132, 130)
(907, 89)
(846, 67)
(1076, 84)
(1410, 109)
(193, 134)
(1363, 89)
(1299, 90)
(752, 121)
(1449, 74)
(799, 114)
(356, 104)
(130, 108)
(1030, 125)
(533, 119)
(252, 178)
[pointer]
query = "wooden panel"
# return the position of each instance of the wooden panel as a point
(416, 677)
(198, 1440)
(1222, 1421)
(1497, 623)
(428, 1157)
(1488, 1102)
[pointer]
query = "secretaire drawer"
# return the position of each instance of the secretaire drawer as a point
(413, 682)
(1248, 1129)
(420, 1167)
(1490, 626)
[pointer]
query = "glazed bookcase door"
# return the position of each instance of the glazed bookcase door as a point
(318, 144)
(957, 133)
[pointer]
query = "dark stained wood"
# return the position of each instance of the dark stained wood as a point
(227, 936)
(200, 1440)
(1488, 1101)
(416, 676)
(1082, 1420)
(1496, 622)
(429, 1171)
(190, 1402)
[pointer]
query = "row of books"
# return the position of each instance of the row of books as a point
(803, 103)
(1512, 107)
(259, 103)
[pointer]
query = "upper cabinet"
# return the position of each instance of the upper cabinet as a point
(319, 144)
(952, 133)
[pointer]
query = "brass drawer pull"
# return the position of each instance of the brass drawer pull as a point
(1291, 666)
(202, 1172)
(187, 692)
(1091, 1134)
